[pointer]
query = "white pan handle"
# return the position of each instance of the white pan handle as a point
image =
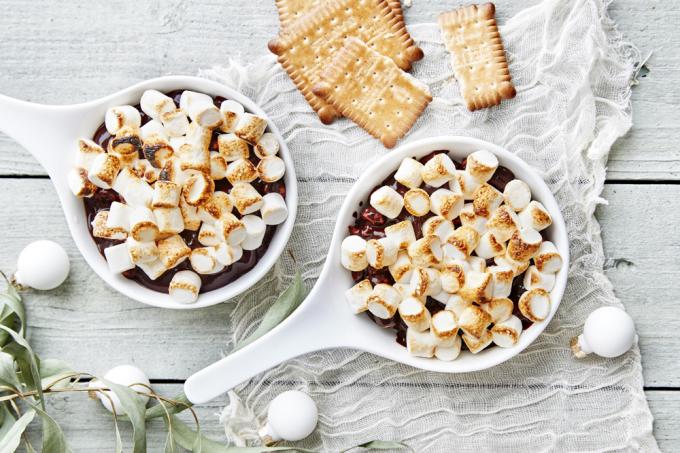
(309, 328)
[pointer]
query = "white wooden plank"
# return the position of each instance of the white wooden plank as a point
(48, 59)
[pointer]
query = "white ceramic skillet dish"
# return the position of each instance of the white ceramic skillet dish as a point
(324, 321)
(50, 134)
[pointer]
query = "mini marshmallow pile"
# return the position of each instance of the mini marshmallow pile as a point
(172, 188)
(449, 264)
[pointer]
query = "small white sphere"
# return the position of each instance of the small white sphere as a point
(609, 332)
(124, 375)
(42, 265)
(292, 416)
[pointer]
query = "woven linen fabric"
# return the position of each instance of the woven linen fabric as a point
(573, 74)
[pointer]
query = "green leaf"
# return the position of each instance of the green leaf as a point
(26, 360)
(11, 438)
(286, 303)
(52, 370)
(53, 439)
(381, 445)
(8, 373)
(134, 407)
(15, 305)
(157, 410)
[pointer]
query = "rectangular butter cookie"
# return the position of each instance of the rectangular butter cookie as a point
(478, 58)
(371, 90)
(291, 10)
(308, 46)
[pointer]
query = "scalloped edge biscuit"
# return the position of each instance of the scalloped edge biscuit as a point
(292, 10)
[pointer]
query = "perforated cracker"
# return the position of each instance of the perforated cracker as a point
(371, 90)
(309, 45)
(478, 58)
(291, 10)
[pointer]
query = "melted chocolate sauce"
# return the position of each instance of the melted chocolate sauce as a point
(370, 224)
(102, 199)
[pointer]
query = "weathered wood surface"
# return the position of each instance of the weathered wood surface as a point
(67, 52)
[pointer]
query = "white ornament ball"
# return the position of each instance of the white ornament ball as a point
(124, 375)
(608, 332)
(292, 416)
(42, 265)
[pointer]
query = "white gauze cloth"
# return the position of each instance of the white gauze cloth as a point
(573, 74)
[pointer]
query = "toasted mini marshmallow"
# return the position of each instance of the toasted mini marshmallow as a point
(517, 194)
(123, 115)
(357, 296)
(409, 173)
(469, 218)
(414, 314)
(402, 269)
(548, 258)
(153, 269)
(201, 109)
(143, 169)
(486, 199)
(217, 205)
(535, 216)
(255, 230)
(387, 202)
(198, 188)
(425, 282)
(184, 287)
(402, 233)
(524, 244)
(489, 246)
(87, 151)
(231, 229)
(503, 223)
(476, 263)
(157, 150)
(118, 258)
(267, 145)
(166, 194)
(478, 287)
(142, 252)
(506, 333)
(452, 276)
(535, 304)
(100, 230)
(274, 210)
(203, 261)
(474, 321)
(154, 103)
(232, 147)
(444, 327)
(79, 184)
(475, 344)
(449, 352)
(175, 123)
(198, 136)
(103, 170)
(533, 278)
(248, 200)
(119, 216)
(172, 172)
(502, 280)
(438, 226)
(231, 112)
(426, 251)
(499, 309)
(125, 145)
(227, 254)
(381, 252)
(467, 183)
(143, 224)
(135, 190)
(250, 128)
(481, 165)
(404, 289)
(241, 170)
(441, 297)
(353, 253)
(457, 304)
(446, 203)
(172, 251)
(169, 220)
(218, 166)
(517, 267)
(383, 301)
(461, 243)
(271, 168)
(420, 344)
(192, 221)
(438, 170)
(192, 157)
(153, 127)
(208, 235)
